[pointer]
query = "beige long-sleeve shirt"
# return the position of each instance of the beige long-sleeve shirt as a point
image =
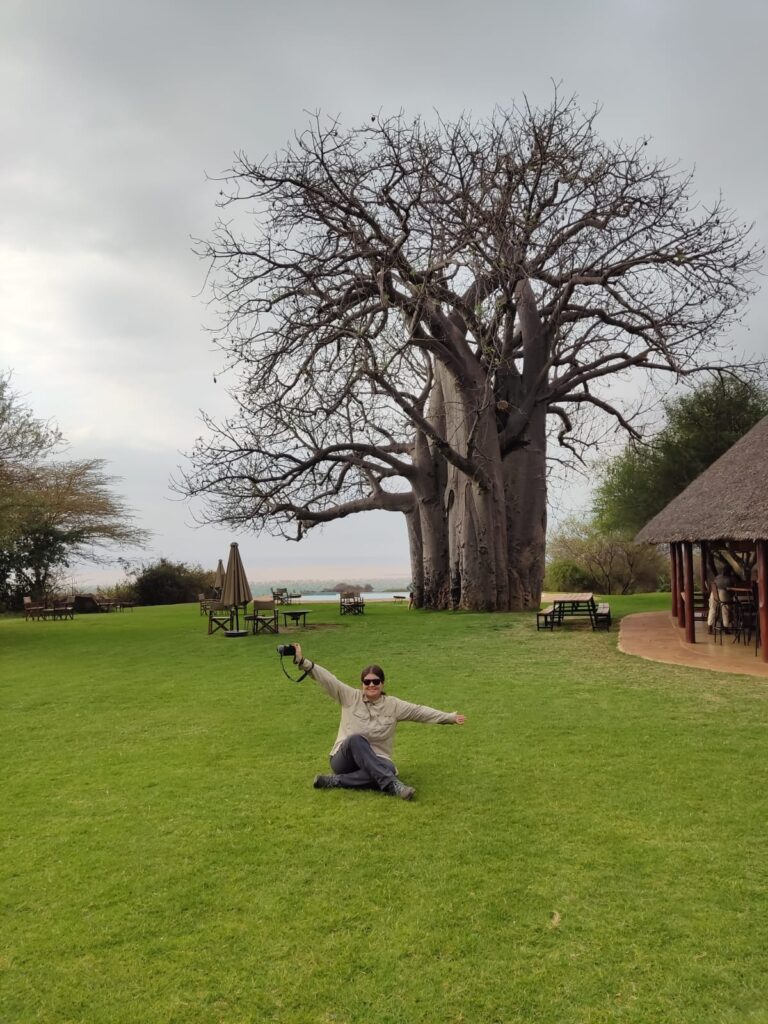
(374, 719)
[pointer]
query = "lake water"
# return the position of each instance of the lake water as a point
(376, 595)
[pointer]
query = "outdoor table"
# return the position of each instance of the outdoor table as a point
(298, 615)
(399, 598)
(572, 604)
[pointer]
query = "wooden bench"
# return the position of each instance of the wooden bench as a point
(545, 618)
(33, 611)
(601, 616)
(60, 610)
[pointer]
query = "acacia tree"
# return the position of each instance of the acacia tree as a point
(51, 513)
(415, 310)
(25, 440)
(64, 512)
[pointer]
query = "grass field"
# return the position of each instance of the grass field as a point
(590, 847)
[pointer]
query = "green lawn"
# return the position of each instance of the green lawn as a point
(590, 847)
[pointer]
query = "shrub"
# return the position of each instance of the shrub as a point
(563, 574)
(166, 582)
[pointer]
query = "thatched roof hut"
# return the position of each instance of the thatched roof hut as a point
(728, 501)
(726, 506)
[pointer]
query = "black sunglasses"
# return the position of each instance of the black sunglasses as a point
(372, 682)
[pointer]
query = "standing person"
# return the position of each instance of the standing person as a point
(720, 599)
(361, 757)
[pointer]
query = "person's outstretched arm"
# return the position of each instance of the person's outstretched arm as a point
(334, 687)
(407, 712)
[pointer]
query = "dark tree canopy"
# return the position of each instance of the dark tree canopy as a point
(415, 311)
(700, 427)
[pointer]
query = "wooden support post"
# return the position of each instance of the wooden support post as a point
(680, 587)
(704, 554)
(673, 578)
(762, 594)
(690, 622)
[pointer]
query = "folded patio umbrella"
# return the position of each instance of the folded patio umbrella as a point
(237, 589)
(218, 578)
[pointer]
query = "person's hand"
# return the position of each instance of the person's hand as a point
(298, 655)
(460, 719)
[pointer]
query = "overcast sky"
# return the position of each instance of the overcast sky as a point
(114, 113)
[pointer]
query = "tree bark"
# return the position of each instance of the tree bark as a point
(475, 507)
(526, 478)
(429, 487)
(525, 488)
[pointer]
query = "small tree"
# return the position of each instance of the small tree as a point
(608, 562)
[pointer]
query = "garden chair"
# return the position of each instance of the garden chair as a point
(263, 619)
(351, 603)
(219, 617)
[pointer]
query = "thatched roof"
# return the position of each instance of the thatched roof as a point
(728, 501)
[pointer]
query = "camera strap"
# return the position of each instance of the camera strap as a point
(301, 677)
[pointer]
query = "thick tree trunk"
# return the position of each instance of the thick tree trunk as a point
(429, 488)
(525, 485)
(477, 538)
(525, 476)
(483, 531)
(482, 548)
(415, 547)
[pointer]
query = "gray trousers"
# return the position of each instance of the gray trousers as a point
(358, 767)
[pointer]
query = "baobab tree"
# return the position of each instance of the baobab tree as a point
(415, 311)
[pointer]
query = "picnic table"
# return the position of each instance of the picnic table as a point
(574, 606)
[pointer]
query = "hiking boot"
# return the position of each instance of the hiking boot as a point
(326, 781)
(398, 788)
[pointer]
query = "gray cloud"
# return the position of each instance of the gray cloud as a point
(119, 112)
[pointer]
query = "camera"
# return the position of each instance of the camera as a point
(286, 650)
